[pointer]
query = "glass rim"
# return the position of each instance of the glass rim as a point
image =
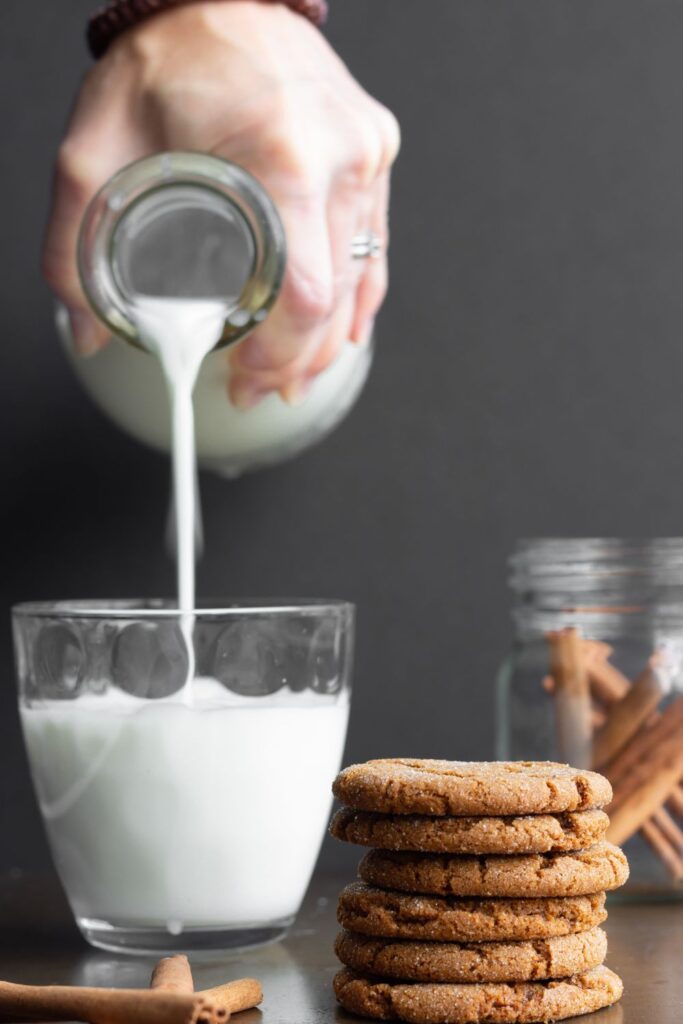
(166, 608)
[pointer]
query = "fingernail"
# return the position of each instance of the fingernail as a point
(244, 394)
(297, 391)
(87, 337)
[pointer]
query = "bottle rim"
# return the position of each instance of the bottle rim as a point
(124, 192)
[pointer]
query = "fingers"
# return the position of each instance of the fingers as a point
(373, 285)
(278, 351)
(99, 141)
(303, 337)
(72, 189)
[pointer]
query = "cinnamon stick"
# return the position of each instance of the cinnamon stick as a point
(675, 801)
(173, 974)
(669, 828)
(235, 996)
(598, 715)
(664, 850)
(669, 722)
(101, 1005)
(628, 714)
(647, 786)
(572, 696)
(613, 744)
(607, 683)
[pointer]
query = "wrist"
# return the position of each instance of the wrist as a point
(118, 16)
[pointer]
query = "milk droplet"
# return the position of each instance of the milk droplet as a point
(174, 927)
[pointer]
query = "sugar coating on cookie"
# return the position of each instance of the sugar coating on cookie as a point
(530, 833)
(413, 786)
(559, 957)
(601, 867)
(488, 1003)
(398, 915)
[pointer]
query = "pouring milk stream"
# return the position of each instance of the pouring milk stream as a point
(181, 333)
(180, 252)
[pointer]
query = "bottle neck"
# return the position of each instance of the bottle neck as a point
(602, 586)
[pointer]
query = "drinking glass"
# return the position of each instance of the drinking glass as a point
(183, 764)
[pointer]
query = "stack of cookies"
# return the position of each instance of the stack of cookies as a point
(482, 897)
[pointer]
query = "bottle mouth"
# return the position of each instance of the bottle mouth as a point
(181, 241)
(182, 226)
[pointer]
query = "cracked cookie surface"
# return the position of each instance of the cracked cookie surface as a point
(529, 833)
(399, 915)
(538, 960)
(478, 1003)
(413, 786)
(598, 868)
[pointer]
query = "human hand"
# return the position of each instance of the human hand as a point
(256, 84)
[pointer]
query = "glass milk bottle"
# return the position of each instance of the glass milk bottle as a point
(194, 225)
(595, 679)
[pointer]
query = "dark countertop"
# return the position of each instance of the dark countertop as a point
(39, 944)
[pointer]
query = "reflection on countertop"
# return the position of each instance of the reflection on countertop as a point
(39, 944)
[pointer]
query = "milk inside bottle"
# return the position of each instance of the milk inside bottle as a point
(130, 388)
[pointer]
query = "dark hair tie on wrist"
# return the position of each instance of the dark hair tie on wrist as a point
(112, 20)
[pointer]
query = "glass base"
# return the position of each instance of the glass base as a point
(116, 938)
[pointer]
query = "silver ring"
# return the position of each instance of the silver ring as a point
(366, 246)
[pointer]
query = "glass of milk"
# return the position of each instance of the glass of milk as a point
(185, 791)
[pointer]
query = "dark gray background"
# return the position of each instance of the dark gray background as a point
(528, 379)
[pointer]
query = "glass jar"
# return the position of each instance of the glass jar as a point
(595, 679)
(195, 226)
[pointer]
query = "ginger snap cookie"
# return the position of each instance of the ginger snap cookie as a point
(558, 957)
(488, 1003)
(407, 786)
(399, 915)
(529, 833)
(600, 867)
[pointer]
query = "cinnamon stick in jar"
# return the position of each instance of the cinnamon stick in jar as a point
(670, 722)
(664, 849)
(572, 696)
(628, 714)
(646, 787)
(670, 828)
(607, 683)
(627, 728)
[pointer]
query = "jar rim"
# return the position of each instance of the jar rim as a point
(597, 584)
(545, 562)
